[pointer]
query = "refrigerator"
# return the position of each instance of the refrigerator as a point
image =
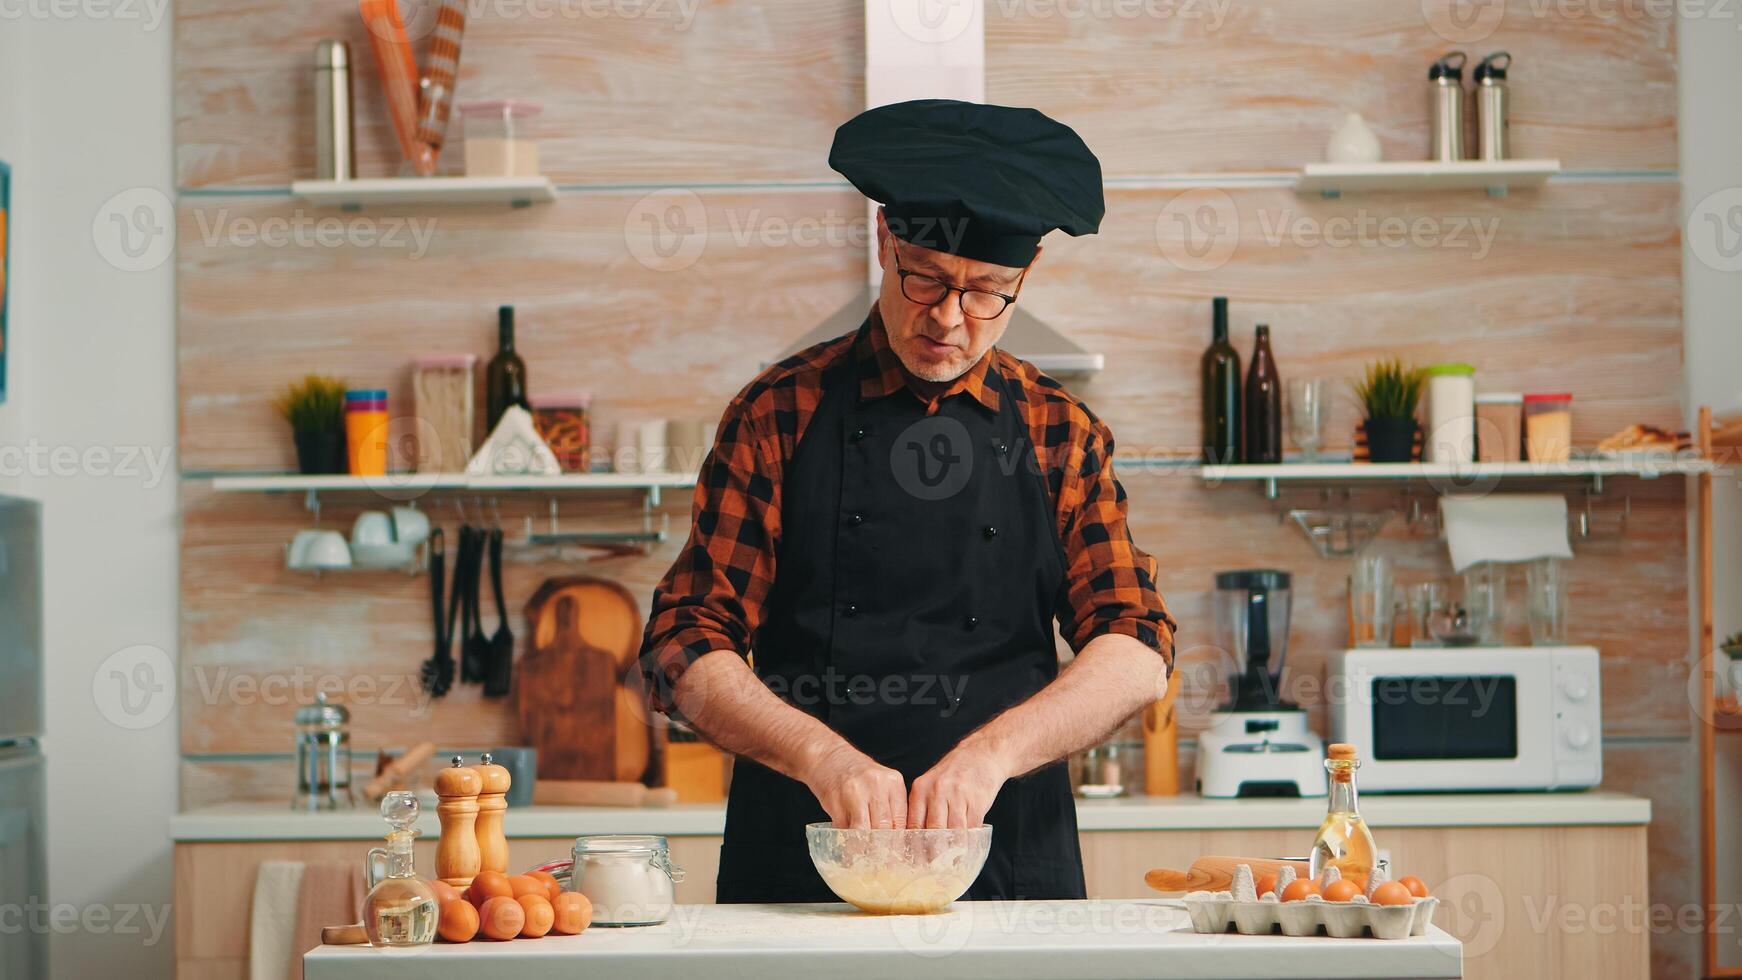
(23, 841)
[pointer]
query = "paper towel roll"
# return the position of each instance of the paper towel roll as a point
(1505, 527)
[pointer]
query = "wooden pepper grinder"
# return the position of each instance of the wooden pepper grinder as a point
(492, 801)
(457, 851)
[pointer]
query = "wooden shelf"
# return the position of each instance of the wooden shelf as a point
(1639, 467)
(402, 482)
(1496, 176)
(1727, 432)
(516, 192)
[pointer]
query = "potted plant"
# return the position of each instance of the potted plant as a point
(1389, 395)
(315, 409)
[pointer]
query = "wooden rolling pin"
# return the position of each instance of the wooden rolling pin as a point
(1216, 874)
(595, 792)
(398, 771)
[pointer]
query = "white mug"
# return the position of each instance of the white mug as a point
(318, 549)
(372, 527)
(410, 525)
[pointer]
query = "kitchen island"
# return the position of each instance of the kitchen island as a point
(1015, 940)
(1498, 862)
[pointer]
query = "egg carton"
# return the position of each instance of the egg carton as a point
(1217, 912)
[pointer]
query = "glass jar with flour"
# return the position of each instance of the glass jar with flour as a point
(628, 878)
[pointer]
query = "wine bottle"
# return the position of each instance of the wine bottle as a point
(505, 378)
(1221, 387)
(1263, 404)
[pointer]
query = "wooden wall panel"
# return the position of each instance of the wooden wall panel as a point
(1260, 84)
(758, 88)
(739, 90)
(657, 339)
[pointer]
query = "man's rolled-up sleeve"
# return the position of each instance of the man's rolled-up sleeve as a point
(713, 596)
(1109, 582)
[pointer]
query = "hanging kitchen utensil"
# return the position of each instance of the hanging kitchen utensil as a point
(580, 696)
(438, 670)
(501, 662)
(477, 649)
(471, 672)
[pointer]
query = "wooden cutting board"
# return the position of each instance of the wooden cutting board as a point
(579, 691)
(1216, 873)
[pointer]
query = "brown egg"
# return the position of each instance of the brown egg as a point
(1298, 889)
(502, 918)
(488, 885)
(1414, 884)
(459, 920)
(1266, 885)
(1342, 890)
(1360, 882)
(539, 915)
(552, 887)
(445, 892)
(1392, 893)
(527, 885)
(574, 913)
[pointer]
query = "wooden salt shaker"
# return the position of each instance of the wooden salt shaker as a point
(492, 801)
(457, 851)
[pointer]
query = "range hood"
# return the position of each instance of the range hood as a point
(909, 55)
(1028, 337)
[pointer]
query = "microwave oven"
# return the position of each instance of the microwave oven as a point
(1469, 719)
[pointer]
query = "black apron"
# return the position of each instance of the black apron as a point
(918, 571)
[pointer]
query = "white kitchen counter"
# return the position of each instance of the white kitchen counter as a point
(1012, 940)
(270, 822)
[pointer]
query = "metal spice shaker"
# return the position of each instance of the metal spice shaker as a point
(335, 139)
(1492, 106)
(1446, 112)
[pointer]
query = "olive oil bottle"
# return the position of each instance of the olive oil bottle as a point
(1344, 842)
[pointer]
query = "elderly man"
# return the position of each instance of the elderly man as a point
(891, 522)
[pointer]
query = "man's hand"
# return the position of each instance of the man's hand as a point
(959, 790)
(856, 792)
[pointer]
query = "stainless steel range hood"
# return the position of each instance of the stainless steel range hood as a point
(1028, 337)
(908, 56)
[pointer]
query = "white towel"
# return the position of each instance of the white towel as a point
(272, 923)
(1505, 527)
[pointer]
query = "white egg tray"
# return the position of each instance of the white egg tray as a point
(1218, 912)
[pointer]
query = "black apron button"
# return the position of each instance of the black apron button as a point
(851, 610)
(971, 622)
(855, 518)
(1001, 447)
(858, 434)
(990, 532)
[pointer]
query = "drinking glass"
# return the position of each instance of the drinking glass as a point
(1547, 582)
(1371, 589)
(1425, 599)
(1485, 598)
(1306, 414)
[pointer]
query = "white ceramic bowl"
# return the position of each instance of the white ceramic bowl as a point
(899, 872)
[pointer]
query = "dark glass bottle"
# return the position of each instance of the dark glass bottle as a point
(1263, 404)
(1221, 386)
(505, 378)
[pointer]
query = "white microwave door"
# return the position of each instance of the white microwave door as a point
(1486, 724)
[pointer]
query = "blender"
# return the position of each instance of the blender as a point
(1257, 744)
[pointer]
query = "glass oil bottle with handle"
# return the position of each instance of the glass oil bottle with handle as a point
(400, 910)
(1344, 842)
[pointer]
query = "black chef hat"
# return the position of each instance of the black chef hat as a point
(984, 182)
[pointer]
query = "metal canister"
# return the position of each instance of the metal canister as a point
(335, 138)
(323, 757)
(1492, 106)
(1446, 110)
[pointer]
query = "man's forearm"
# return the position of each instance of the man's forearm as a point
(723, 699)
(1112, 678)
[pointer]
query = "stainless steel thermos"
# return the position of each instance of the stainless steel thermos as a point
(1492, 107)
(335, 142)
(1446, 115)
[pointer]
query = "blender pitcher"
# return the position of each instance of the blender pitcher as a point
(1252, 615)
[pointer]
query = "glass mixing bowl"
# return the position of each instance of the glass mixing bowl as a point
(899, 872)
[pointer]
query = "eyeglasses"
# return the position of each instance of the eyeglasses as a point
(976, 304)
